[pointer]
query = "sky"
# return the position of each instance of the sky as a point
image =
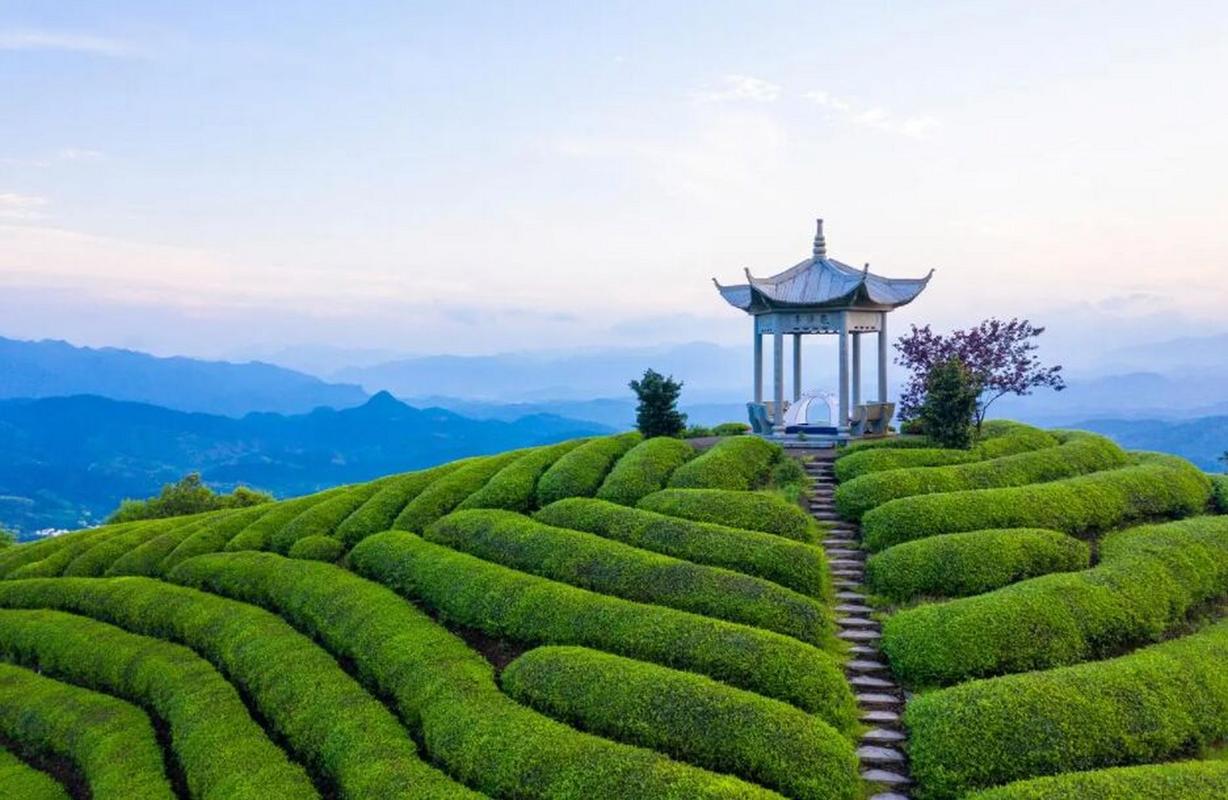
(231, 178)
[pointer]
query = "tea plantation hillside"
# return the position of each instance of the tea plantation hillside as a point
(613, 618)
(1056, 608)
(569, 621)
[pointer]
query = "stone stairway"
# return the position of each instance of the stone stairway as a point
(883, 762)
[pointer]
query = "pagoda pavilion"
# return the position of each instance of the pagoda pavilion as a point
(821, 296)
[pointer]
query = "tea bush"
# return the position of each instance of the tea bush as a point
(753, 511)
(740, 462)
(645, 468)
(581, 472)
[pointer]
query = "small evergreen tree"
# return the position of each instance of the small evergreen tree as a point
(950, 404)
(657, 413)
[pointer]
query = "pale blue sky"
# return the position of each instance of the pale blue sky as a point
(471, 177)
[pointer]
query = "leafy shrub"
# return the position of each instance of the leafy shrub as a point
(1148, 579)
(995, 442)
(27, 783)
(513, 605)
(792, 564)
(1089, 504)
(146, 558)
(752, 511)
(906, 440)
(212, 536)
(323, 518)
(580, 472)
(1219, 493)
(328, 722)
(187, 496)
(697, 432)
(110, 742)
(613, 568)
(317, 548)
(444, 494)
(257, 535)
(960, 564)
(1189, 780)
(1080, 454)
(514, 487)
(690, 717)
(1153, 704)
(96, 560)
(950, 403)
(446, 692)
(382, 509)
(644, 469)
(741, 462)
(49, 557)
(221, 751)
(731, 429)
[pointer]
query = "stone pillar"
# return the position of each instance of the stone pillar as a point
(758, 382)
(842, 417)
(797, 367)
(778, 374)
(882, 357)
(856, 369)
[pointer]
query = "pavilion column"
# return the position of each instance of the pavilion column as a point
(842, 421)
(882, 357)
(758, 383)
(797, 367)
(856, 369)
(778, 374)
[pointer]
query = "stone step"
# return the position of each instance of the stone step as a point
(847, 583)
(850, 596)
(889, 796)
(880, 716)
(866, 665)
(859, 636)
(878, 700)
(863, 651)
(845, 552)
(857, 622)
(825, 516)
(883, 735)
(886, 777)
(846, 563)
(848, 572)
(854, 608)
(877, 754)
(867, 682)
(841, 539)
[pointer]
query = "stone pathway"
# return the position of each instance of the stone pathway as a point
(881, 750)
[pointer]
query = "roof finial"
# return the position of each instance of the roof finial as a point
(820, 244)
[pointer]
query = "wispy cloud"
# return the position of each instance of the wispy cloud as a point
(27, 39)
(21, 206)
(917, 126)
(63, 155)
(734, 88)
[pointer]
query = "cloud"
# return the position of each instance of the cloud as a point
(735, 88)
(64, 154)
(919, 126)
(60, 40)
(21, 206)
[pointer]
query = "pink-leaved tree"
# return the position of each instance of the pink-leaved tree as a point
(1001, 357)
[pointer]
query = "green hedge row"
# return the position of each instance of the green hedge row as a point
(793, 564)
(1219, 493)
(1159, 702)
(525, 608)
(444, 494)
(26, 783)
(327, 721)
(220, 750)
(323, 518)
(1147, 581)
(382, 509)
(752, 511)
(50, 557)
(514, 487)
(258, 534)
(621, 570)
(317, 548)
(446, 693)
(1003, 441)
(690, 717)
(1090, 504)
(962, 564)
(742, 462)
(212, 536)
(898, 442)
(645, 469)
(96, 560)
(147, 558)
(1080, 454)
(1187, 780)
(111, 743)
(580, 472)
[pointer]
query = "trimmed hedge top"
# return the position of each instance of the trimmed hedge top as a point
(752, 511)
(1000, 440)
(645, 469)
(581, 472)
(740, 463)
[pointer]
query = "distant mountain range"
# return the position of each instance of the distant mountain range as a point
(615, 412)
(1202, 440)
(69, 461)
(52, 368)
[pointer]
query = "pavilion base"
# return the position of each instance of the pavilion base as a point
(814, 441)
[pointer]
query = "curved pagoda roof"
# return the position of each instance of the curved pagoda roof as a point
(822, 282)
